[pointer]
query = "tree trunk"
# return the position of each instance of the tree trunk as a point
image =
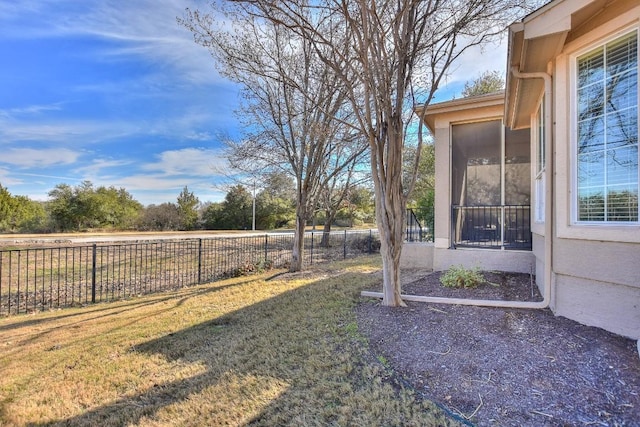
(390, 223)
(326, 231)
(386, 168)
(298, 239)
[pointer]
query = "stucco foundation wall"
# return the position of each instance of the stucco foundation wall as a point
(417, 256)
(598, 284)
(538, 252)
(610, 262)
(485, 259)
(609, 306)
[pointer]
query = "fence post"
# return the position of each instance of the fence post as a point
(199, 261)
(370, 237)
(452, 243)
(311, 246)
(266, 247)
(344, 246)
(93, 274)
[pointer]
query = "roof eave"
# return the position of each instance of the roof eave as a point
(533, 44)
(457, 105)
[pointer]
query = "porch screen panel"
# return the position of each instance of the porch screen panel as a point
(476, 181)
(517, 189)
(517, 179)
(476, 163)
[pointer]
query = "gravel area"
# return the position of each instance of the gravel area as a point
(505, 367)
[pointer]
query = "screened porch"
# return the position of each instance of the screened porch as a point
(490, 186)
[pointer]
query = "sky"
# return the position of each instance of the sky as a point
(117, 93)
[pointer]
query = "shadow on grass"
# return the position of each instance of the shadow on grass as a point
(292, 359)
(111, 310)
(116, 307)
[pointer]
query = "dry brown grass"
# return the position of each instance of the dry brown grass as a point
(273, 349)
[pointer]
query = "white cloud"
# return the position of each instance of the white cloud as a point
(14, 129)
(47, 177)
(154, 182)
(36, 186)
(149, 29)
(155, 189)
(6, 178)
(142, 28)
(161, 181)
(71, 131)
(30, 157)
(14, 9)
(158, 197)
(29, 110)
(97, 165)
(199, 136)
(479, 59)
(469, 66)
(189, 161)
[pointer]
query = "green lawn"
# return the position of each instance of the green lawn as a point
(272, 349)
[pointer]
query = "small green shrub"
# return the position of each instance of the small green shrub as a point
(460, 277)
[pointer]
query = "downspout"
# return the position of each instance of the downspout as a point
(548, 159)
(548, 221)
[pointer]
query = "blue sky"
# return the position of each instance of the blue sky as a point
(116, 92)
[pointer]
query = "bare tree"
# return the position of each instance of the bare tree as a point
(335, 192)
(390, 56)
(294, 105)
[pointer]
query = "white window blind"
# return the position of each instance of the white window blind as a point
(607, 126)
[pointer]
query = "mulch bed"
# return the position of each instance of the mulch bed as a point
(505, 367)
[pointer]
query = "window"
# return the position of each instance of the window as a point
(540, 163)
(607, 132)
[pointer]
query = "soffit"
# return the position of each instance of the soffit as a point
(523, 95)
(596, 14)
(535, 42)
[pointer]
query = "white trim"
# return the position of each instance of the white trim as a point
(552, 18)
(539, 178)
(482, 120)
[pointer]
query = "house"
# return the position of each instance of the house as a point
(543, 177)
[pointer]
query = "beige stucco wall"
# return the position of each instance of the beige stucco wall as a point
(417, 255)
(442, 201)
(596, 267)
(609, 306)
(611, 262)
(537, 245)
(598, 283)
(485, 259)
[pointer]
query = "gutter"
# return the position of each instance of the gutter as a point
(548, 222)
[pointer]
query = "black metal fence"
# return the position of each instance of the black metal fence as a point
(36, 279)
(495, 227)
(420, 223)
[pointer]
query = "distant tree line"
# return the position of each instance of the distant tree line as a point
(86, 207)
(20, 214)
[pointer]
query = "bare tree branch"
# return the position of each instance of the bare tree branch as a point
(389, 56)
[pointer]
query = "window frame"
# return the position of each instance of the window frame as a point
(573, 81)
